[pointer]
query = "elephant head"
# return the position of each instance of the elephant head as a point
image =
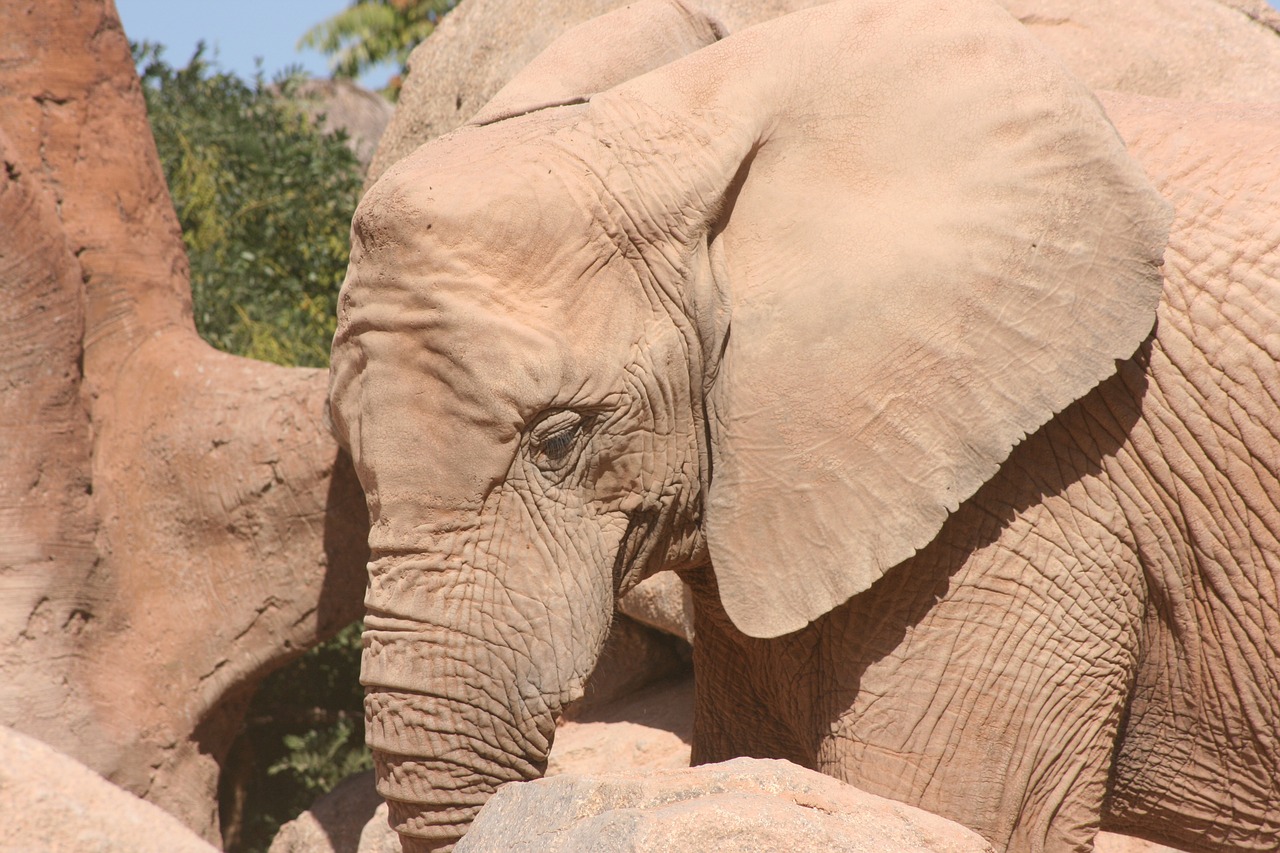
(787, 300)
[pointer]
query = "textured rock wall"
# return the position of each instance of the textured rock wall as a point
(174, 522)
(50, 803)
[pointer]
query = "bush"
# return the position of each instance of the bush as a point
(265, 202)
(304, 734)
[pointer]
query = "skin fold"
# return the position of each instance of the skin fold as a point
(847, 318)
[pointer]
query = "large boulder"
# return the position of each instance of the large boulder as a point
(51, 803)
(1215, 50)
(743, 805)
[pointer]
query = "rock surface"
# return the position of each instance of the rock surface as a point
(336, 821)
(650, 730)
(175, 522)
(50, 803)
(363, 114)
(1217, 50)
(638, 735)
(1109, 842)
(747, 804)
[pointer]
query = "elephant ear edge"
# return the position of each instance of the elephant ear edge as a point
(601, 53)
(932, 241)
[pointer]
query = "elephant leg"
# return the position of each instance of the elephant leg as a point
(737, 709)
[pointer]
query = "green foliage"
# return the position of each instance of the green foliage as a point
(304, 735)
(265, 202)
(321, 758)
(370, 32)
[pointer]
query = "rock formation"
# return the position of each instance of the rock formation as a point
(53, 804)
(746, 804)
(174, 522)
(362, 114)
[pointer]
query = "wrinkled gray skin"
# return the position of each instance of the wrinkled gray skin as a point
(778, 316)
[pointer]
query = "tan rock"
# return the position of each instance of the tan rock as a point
(747, 804)
(51, 803)
(1109, 842)
(1218, 50)
(363, 114)
(335, 822)
(649, 730)
(175, 522)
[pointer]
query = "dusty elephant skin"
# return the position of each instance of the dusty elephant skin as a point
(817, 316)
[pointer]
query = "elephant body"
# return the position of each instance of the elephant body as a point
(847, 319)
(1096, 632)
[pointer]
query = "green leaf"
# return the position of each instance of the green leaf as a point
(370, 32)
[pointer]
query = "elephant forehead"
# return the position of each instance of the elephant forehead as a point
(524, 212)
(489, 343)
(488, 366)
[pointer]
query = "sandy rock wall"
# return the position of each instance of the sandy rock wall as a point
(174, 522)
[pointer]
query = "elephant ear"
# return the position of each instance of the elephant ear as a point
(603, 52)
(930, 240)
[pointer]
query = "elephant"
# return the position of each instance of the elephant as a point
(866, 323)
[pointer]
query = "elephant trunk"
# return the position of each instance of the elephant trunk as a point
(434, 778)
(449, 717)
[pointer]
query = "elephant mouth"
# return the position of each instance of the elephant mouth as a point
(635, 549)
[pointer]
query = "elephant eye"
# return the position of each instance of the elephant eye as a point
(558, 444)
(554, 439)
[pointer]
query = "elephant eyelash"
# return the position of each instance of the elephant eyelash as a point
(554, 438)
(559, 443)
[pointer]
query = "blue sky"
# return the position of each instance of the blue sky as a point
(239, 30)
